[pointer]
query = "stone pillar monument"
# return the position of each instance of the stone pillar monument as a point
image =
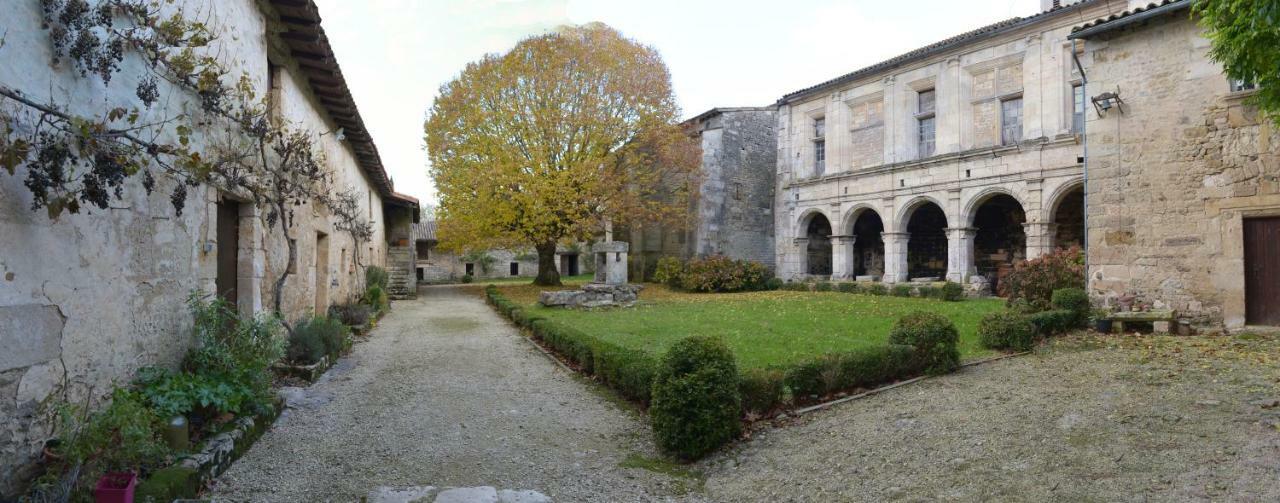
(611, 262)
(609, 287)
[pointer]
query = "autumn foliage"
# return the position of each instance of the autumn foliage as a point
(544, 144)
(1033, 281)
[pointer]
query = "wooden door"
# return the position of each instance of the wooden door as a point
(1262, 271)
(228, 232)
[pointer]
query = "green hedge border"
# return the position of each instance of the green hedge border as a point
(630, 372)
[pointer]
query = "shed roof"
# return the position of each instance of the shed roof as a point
(424, 231)
(1128, 17)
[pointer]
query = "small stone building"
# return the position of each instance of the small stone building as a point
(1183, 177)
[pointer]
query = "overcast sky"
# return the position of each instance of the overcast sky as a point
(395, 54)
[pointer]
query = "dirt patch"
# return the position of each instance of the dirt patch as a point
(1085, 418)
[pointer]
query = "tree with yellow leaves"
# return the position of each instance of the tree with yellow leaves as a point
(545, 144)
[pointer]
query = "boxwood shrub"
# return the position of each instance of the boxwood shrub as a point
(696, 403)
(848, 287)
(845, 371)
(1074, 300)
(1007, 330)
(952, 292)
(901, 290)
(1053, 322)
(934, 338)
(822, 286)
(762, 390)
(878, 289)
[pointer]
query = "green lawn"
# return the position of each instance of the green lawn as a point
(764, 329)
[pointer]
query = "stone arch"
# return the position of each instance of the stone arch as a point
(903, 216)
(866, 229)
(806, 216)
(818, 252)
(999, 235)
(1065, 210)
(976, 201)
(925, 222)
(851, 216)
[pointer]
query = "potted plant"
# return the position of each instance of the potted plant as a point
(115, 487)
(1101, 320)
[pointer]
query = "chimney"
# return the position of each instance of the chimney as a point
(1048, 5)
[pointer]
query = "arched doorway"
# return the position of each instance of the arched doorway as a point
(1069, 217)
(819, 249)
(927, 244)
(999, 241)
(868, 246)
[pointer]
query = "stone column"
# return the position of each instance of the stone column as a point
(842, 257)
(960, 263)
(895, 256)
(801, 246)
(1039, 238)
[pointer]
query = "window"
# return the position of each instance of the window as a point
(819, 145)
(1011, 121)
(926, 130)
(1238, 85)
(1077, 109)
(515, 268)
(471, 269)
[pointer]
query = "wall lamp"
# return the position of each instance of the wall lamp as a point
(1106, 101)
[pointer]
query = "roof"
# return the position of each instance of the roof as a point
(1128, 17)
(309, 46)
(721, 110)
(425, 231)
(984, 32)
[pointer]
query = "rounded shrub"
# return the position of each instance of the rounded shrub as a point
(467, 278)
(1007, 330)
(305, 347)
(1074, 300)
(878, 289)
(669, 271)
(822, 286)
(695, 403)
(934, 338)
(901, 290)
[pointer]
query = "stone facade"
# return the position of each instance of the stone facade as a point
(734, 204)
(1173, 172)
(436, 266)
(87, 299)
(955, 160)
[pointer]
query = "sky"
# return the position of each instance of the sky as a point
(395, 54)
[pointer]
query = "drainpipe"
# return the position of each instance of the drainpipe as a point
(1084, 133)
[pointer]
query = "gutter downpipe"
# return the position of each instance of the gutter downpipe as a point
(1084, 132)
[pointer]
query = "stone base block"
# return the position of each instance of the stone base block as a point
(592, 295)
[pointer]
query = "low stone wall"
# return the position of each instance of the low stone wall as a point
(593, 295)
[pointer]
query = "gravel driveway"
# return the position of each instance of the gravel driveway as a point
(446, 394)
(1087, 419)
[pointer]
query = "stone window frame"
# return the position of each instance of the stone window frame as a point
(1004, 141)
(864, 100)
(814, 115)
(928, 85)
(996, 66)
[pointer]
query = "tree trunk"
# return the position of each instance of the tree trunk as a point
(547, 273)
(278, 297)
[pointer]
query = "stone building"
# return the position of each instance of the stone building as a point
(1183, 177)
(440, 266)
(954, 160)
(87, 299)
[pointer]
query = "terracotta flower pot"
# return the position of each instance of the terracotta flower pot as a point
(115, 488)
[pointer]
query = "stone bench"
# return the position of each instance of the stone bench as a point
(1161, 320)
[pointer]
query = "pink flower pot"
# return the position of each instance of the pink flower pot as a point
(115, 488)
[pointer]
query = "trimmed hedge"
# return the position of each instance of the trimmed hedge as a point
(696, 403)
(1053, 322)
(952, 292)
(1007, 330)
(878, 289)
(822, 286)
(1074, 300)
(850, 370)
(796, 286)
(900, 290)
(934, 338)
(762, 390)
(773, 284)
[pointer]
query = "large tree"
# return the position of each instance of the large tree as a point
(553, 140)
(1246, 41)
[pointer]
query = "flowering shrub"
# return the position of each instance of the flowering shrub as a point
(1033, 281)
(718, 273)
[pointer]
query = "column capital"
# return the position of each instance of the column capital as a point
(844, 238)
(800, 241)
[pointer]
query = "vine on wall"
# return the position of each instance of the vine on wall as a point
(230, 141)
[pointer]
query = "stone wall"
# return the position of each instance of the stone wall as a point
(734, 207)
(89, 298)
(1171, 177)
(1030, 61)
(448, 267)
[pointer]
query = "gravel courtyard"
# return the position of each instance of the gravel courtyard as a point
(446, 394)
(1086, 419)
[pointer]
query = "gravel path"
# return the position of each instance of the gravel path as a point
(1145, 419)
(446, 394)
